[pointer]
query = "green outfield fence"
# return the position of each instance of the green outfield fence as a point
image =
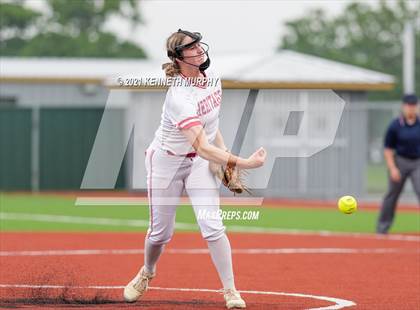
(48, 148)
(15, 149)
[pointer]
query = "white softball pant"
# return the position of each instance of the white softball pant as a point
(167, 177)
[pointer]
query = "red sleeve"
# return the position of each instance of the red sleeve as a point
(189, 122)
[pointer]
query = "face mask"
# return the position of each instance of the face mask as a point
(196, 36)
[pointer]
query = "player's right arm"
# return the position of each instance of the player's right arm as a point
(182, 112)
(198, 139)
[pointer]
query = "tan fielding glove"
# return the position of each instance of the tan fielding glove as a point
(231, 177)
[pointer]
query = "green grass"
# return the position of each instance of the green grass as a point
(269, 218)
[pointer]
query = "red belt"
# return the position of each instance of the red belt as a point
(194, 154)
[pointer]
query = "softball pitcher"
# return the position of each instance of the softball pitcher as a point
(178, 159)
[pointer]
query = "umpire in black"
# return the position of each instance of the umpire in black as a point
(402, 156)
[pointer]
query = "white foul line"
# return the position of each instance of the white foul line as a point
(338, 302)
(189, 226)
(84, 220)
(273, 251)
(143, 201)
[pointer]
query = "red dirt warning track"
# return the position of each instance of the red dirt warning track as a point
(58, 270)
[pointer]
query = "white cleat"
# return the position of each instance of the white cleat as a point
(233, 299)
(136, 288)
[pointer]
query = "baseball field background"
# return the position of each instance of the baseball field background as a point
(59, 63)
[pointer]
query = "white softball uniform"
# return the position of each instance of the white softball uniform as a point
(172, 165)
(184, 107)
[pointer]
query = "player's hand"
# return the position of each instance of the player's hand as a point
(257, 159)
(395, 175)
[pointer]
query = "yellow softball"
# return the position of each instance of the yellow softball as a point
(347, 204)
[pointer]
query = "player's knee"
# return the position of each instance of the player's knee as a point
(213, 234)
(159, 238)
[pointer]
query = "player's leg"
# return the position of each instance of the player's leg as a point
(204, 195)
(389, 204)
(164, 185)
(162, 223)
(164, 189)
(415, 179)
(203, 190)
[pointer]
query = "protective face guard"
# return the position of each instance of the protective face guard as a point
(196, 36)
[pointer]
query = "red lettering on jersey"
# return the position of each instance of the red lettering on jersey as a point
(209, 103)
(214, 101)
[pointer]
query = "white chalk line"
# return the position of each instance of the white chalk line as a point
(84, 220)
(338, 302)
(189, 226)
(253, 251)
(143, 201)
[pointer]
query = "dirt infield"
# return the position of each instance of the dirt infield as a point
(276, 271)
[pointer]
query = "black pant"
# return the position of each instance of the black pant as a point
(409, 168)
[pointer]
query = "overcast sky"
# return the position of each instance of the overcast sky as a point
(227, 26)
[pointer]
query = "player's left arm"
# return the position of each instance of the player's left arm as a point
(219, 141)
